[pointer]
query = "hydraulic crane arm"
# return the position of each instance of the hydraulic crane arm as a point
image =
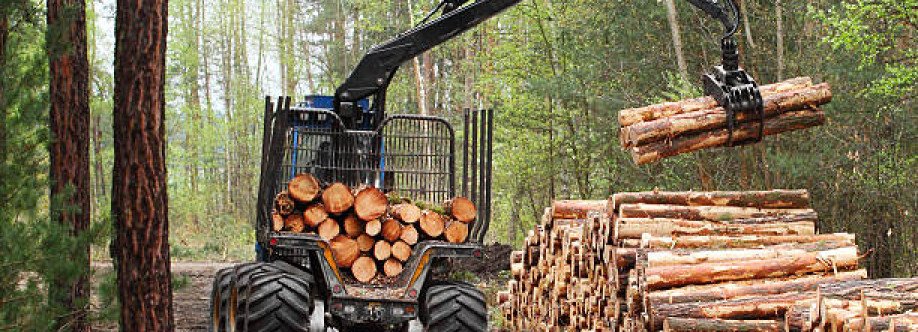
(372, 75)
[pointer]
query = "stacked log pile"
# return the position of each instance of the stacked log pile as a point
(371, 234)
(697, 261)
(659, 131)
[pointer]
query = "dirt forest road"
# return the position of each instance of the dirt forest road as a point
(189, 302)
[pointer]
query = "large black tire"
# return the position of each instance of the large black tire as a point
(274, 301)
(238, 278)
(454, 307)
(221, 291)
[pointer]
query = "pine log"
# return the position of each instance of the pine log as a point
(687, 257)
(749, 241)
(461, 209)
(391, 230)
(294, 223)
(716, 118)
(748, 288)
(456, 232)
(337, 198)
(303, 188)
(710, 213)
(681, 275)
(283, 204)
(801, 317)
(635, 228)
(785, 122)
(392, 267)
(370, 203)
(277, 222)
(907, 322)
(365, 242)
(401, 251)
(676, 324)
(409, 235)
(891, 288)
(315, 214)
(353, 227)
(345, 250)
(761, 307)
(431, 223)
(382, 250)
(771, 199)
(364, 269)
(373, 227)
(576, 209)
(329, 229)
(406, 212)
(628, 117)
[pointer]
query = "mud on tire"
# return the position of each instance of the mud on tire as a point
(454, 306)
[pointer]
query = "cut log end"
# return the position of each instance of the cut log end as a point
(345, 250)
(373, 227)
(295, 223)
(283, 204)
(431, 223)
(329, 229)
(277, 222)
(406, 212)
(456, 232)
(409, 235)
(364, 269)
(353, 227)
(370, 203)
(382, 250)
(303, 188)
(391, 230)
(365, 242)
(392, 267)
(462, 209)
(337, 198)
(401, 251)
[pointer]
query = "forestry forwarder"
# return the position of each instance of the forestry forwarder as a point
(295, 285)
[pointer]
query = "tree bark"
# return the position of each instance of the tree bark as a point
(715, 118)
(139, 191)
(762, 307)
(709, 213)
(749, 241)
(790, 121)
(576, 209)
(69, 150)
(755, 287)
(628, 117)
(675, 324)
(688, 257)
(682, 275)
(673, 19)
(635, 228)
(771, 199)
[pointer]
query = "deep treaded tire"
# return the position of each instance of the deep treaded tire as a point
(274, 301)
(221, 291)
(226, 280)
(454, 307)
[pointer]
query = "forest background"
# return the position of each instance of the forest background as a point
(556, 72)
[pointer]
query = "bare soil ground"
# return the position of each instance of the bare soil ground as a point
(190, 301)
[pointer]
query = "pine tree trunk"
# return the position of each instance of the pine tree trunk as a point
(772, 199)
(675, 324)
(69, 151)
(139, 202)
